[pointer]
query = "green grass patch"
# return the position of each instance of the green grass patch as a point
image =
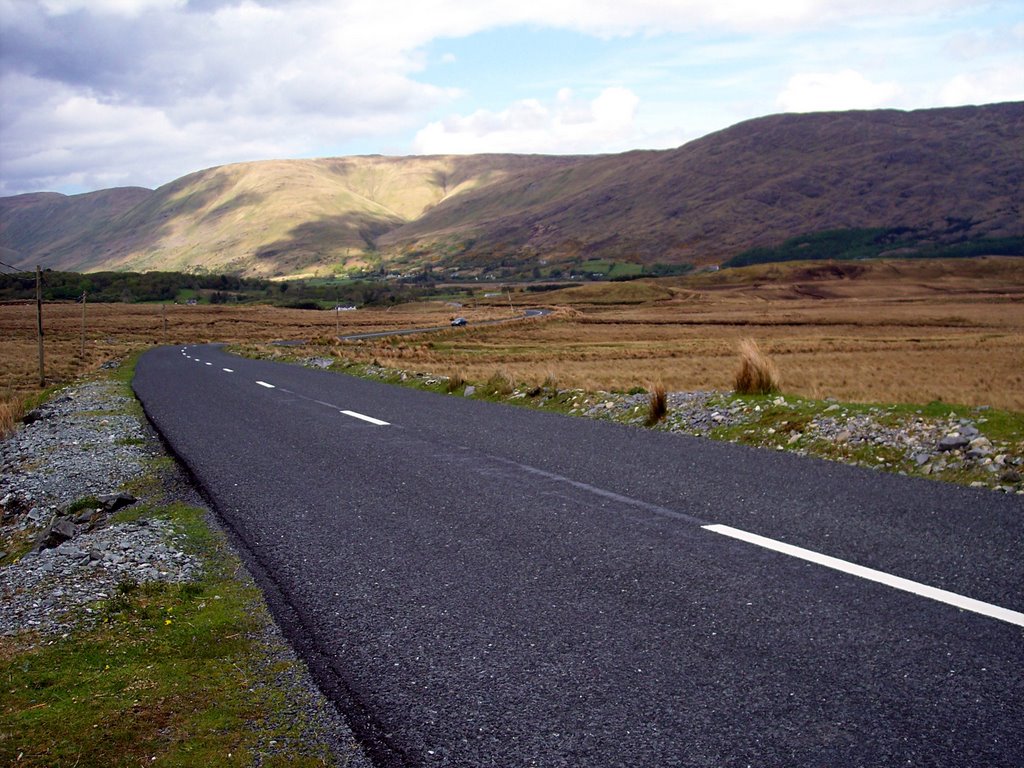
(873, 243)
(86, 502)
(166, 678)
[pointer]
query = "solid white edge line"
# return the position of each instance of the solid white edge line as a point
(227, 370)
(264, 384)
(923, 590)
(370, 419)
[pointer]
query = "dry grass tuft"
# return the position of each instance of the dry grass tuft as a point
(456, 381)
(757, 374)
(551, 382)
(657, 405)
(10, 413)
(501, 383)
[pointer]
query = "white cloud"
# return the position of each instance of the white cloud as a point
(113, 7)
(985, 87)
(181, 84)
(566, 125)
(825, 91)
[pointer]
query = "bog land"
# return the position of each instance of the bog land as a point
(873, 331)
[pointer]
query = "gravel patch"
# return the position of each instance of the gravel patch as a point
(52, 591)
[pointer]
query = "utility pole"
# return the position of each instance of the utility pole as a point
(39, 324)
(83, 325)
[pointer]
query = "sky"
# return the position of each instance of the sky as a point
(106, 93)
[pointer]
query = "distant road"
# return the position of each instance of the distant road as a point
(407, 331)
(483, 585)
(432, 329)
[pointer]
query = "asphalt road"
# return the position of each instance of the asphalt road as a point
(482, 585)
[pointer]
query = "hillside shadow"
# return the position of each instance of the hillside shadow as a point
(246, 199)
(143, 227)
(310, 241)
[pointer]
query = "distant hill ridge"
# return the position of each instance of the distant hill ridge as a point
(952, 174)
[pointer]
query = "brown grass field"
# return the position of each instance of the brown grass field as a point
(886, 331)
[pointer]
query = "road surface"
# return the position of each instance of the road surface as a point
(484, 585)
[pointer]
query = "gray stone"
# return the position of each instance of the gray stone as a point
(469, 390)
(953, 442)
(62, 530)
(69, 550)
(922, 458)
(85, 516)
(114, 501)
(36, 414)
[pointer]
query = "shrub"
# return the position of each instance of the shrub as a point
(657, 405)
(757, 374)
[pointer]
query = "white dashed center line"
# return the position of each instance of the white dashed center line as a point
(209, 363)
(896, 582)
(264, 384)
(370, 419)
(227, 370)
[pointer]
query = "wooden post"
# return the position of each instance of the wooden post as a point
(163, 314)
(337, 320)
(83, 325)
(39, 324)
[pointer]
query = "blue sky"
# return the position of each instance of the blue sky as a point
(101, 93)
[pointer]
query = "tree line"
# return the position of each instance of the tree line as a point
(132, 287)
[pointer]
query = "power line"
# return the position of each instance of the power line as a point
(11, 266)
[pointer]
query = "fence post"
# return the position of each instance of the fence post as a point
(83, 325)
(39, 324)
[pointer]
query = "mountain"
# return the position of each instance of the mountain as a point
(757, 183)
(260, 218)
(950, 174)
